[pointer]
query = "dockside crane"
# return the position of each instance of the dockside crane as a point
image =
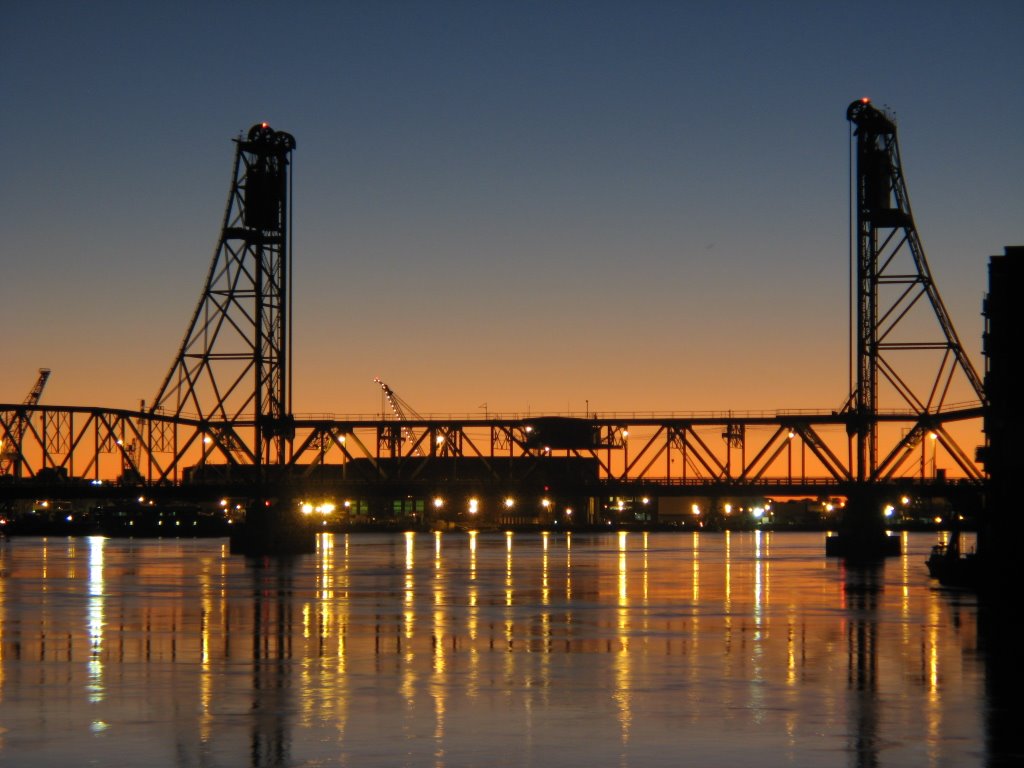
(10, 448)
(400, 408)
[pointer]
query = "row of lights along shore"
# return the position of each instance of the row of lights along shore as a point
(438, 502)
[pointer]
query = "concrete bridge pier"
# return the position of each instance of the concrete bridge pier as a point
(862, 536)
(274, 526)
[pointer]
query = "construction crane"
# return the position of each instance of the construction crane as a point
(37, 390)
(401, 409)
(10, 452)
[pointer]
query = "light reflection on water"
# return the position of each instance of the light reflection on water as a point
(627, 649)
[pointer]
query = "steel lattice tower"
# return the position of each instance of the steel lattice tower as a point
(233, 367)
(894, 291)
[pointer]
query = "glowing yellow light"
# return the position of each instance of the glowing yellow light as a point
(438, 502)
(546, 503)
(474, 505)
(307, 509)
(509, 502)
(695, 509)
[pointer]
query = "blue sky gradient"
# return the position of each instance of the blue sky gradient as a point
(636, 206)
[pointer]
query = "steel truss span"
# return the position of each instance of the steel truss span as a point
(785, 450)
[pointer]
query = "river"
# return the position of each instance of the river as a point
(493, 649)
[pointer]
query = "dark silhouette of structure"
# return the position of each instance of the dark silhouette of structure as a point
(1002, 528)
(10, 451)
(233, 368)
(892, 281)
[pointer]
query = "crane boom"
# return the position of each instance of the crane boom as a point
(37, 390)
(402, 410)
(10, 450)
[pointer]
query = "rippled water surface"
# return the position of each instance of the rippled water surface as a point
(489, 649)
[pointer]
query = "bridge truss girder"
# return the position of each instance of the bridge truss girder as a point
(765, 450)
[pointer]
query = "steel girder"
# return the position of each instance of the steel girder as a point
(155, 449)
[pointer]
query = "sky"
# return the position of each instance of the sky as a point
(506, 207)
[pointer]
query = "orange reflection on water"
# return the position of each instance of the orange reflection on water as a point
(632, 646)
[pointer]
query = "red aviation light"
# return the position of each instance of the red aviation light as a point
(864, 100)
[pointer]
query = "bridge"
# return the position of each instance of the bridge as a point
(222, 422)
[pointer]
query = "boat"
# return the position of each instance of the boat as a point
(951, 567)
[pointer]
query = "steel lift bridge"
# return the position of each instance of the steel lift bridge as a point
(222, 417)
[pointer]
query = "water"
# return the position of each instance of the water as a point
(490, 649)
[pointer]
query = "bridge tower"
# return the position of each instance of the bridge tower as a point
(908, 357)
(896, 340)
(233, 368)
